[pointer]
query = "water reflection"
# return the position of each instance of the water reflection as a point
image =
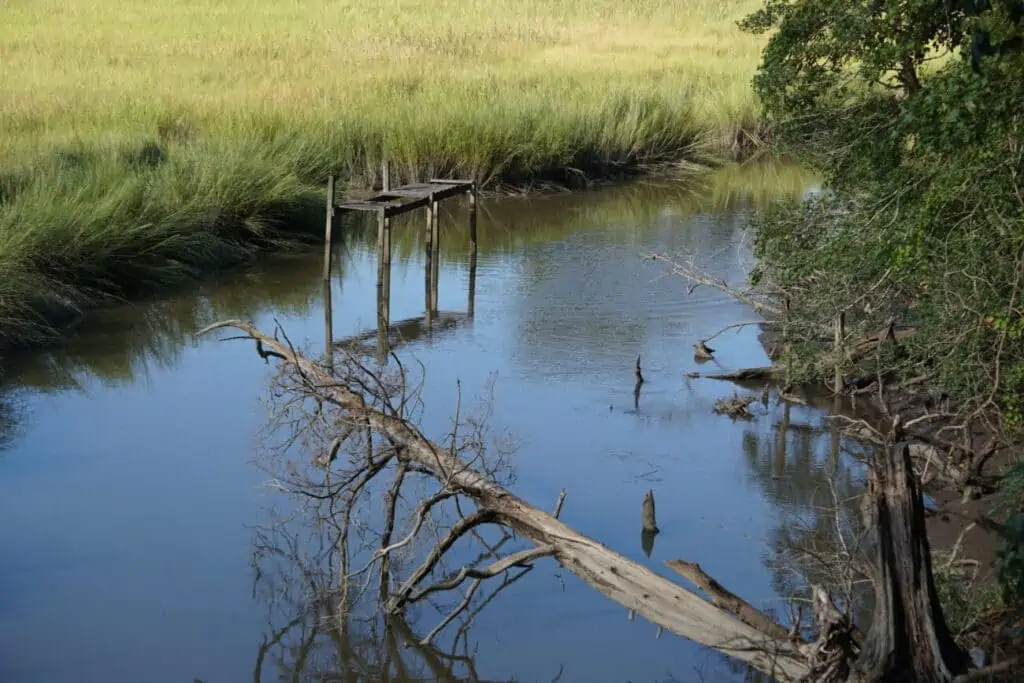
(800, 460)
(121, 345)
(647, 541)
(307, 638)
(145, 437)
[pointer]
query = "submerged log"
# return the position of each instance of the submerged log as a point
(735, 406)
(666, 604)
(769, 372)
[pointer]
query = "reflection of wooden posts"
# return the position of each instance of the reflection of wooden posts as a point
(838, 348)
(435, 260)
(328, 309)
(387, 264)
(383, 282)
(428, 268)
(472, 220)
(779, 462)
(785, 342)
(833, 428)
(395, 201)
(471, 304)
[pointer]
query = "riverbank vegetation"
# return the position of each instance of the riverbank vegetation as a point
(912, 113)
(145, 145)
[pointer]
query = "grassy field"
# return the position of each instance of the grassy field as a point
(146, 143)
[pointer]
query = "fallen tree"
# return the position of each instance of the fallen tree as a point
(907, 637)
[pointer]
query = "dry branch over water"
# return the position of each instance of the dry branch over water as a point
(908, 635)
(365, 401)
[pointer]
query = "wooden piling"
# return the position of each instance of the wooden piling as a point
(472, 219)
(329, 227)
(786, 350)
(328, 308)
(385, 176)
(435, 261)
(384, 267)
(428, 268)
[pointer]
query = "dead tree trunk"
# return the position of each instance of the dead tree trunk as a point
(637, 588)
(908, 639)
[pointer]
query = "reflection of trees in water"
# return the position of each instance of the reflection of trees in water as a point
(119, 345)
(806, 470)
(804, 466)
(308, 639)
(512, 224)
(11, 413)
(595, 294)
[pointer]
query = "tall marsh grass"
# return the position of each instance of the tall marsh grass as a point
(145, 143)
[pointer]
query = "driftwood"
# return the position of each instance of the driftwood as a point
(726, 599)
(769, 372)
(735, 406)
(666, 604)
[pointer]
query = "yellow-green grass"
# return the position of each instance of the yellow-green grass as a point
(144, 143)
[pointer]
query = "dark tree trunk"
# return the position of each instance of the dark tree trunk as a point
(908, 640)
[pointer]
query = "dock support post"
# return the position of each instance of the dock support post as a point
(385, 176)
(472, 219)
(384, 262)
(428, 263)
(328, 310)
(435, 261)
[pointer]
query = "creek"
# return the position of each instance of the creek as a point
(129, 486)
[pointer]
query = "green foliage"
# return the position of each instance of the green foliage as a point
(1009, 505)
(913, 111)
(1011, 561)
(966, 602)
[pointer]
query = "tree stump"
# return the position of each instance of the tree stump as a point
(908, 639)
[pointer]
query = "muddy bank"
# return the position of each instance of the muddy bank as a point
(954, 526)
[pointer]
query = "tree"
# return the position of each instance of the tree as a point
(911, 109)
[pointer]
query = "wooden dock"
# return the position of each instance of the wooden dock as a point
(387, 204)
(410, 197)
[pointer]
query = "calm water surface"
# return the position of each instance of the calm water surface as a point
(129, 492)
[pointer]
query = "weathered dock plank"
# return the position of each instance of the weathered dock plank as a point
(399, 200)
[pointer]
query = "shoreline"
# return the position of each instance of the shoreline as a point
(57, 302)
(954, 526)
